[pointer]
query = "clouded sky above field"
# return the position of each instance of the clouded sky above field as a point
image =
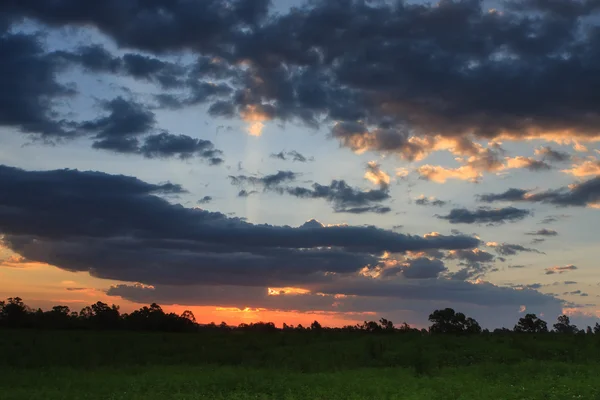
(336, 160)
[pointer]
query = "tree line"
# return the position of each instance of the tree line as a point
(14, 313)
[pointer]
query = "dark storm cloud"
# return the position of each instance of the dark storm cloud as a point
(128, 127)
(291, 155)
(345, 198)
(97, 59)
(402, 69)
(577, 195)
(510, 195)
(134, 235)
(417, 268)
(474, 263)
(471, 256)
(126, 118)
(543, 232)
(383, 296)
(159, 27)
(166, 145)
(363, 210)
(152, 69)
(484, 215)
(29, 87)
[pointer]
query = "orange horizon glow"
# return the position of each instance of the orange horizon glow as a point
(43, 286)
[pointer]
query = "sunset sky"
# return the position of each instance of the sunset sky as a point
(339, 160)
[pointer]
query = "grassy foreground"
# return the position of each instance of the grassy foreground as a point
(119, 365)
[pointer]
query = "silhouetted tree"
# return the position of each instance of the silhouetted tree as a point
(564, 325)
(104, 316)
(315, 326)
(530, 323)
(449, 321)
(60, 317)
(14, 313)
(589, 331)
(597, 329)
(370, 326)
(386, 325)
(187, 314)
(405, 328)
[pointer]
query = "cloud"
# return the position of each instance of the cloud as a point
(553, 218)
(245, 193)
(551, 155)
(485, 215)
(441, 174)
(30, 89)
(127, 121)
(361, 295)
(580, 194)
(526, 163)
(291, 155)
(543, 232)
(345, 198)
(135, 235)
(576, 293)
(497, 78)
(205, 200)
(430, 201)
(485, 160)
(166, 145)
(560, 270)
(267, 181)
(375, 175)
(471, 255)
(507, 249)
(423, 268)
(413, 268)
(475, 263)
(586, 168)
(95, 58)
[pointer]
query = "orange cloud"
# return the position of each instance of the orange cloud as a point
(376, 175)
(256, 118)
(441, 174)
(587, 168)
(286, 291)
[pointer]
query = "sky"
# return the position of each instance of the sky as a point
(286, 161)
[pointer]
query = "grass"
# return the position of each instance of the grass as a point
(110, 366)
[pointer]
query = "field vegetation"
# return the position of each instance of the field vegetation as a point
(99, 353)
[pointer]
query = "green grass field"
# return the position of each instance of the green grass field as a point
(52, 365)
